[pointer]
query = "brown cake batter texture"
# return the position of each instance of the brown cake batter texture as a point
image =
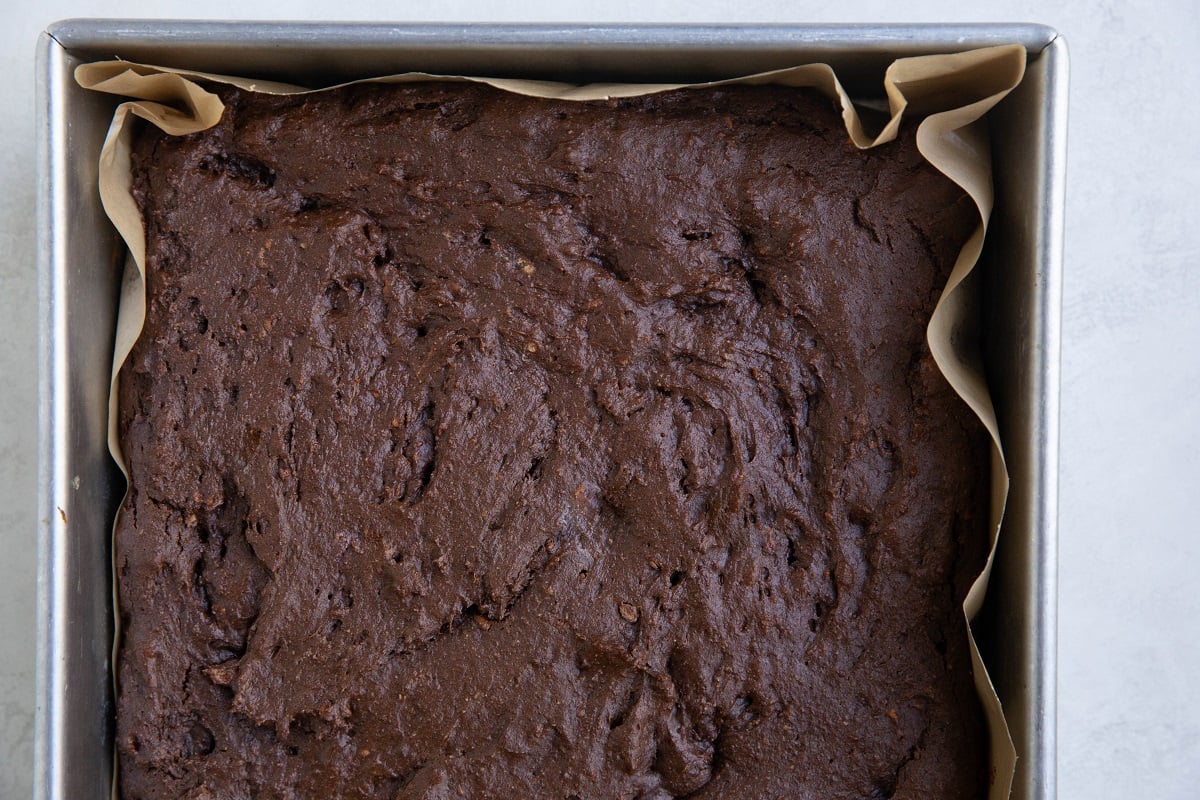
(483, 444)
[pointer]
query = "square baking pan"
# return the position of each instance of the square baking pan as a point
(80, 258)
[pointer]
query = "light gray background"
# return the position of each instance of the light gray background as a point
(1129, 605)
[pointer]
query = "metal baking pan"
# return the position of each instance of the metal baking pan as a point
(79, 257)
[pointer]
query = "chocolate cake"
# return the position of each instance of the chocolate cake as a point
(487, 446)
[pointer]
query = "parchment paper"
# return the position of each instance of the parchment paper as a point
(952, 92)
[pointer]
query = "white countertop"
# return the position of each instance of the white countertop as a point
(1129, 600)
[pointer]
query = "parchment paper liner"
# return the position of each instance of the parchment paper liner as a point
(953, 92)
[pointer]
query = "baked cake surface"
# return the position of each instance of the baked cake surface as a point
(484, 446)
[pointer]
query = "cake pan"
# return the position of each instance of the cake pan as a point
(80, 257)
